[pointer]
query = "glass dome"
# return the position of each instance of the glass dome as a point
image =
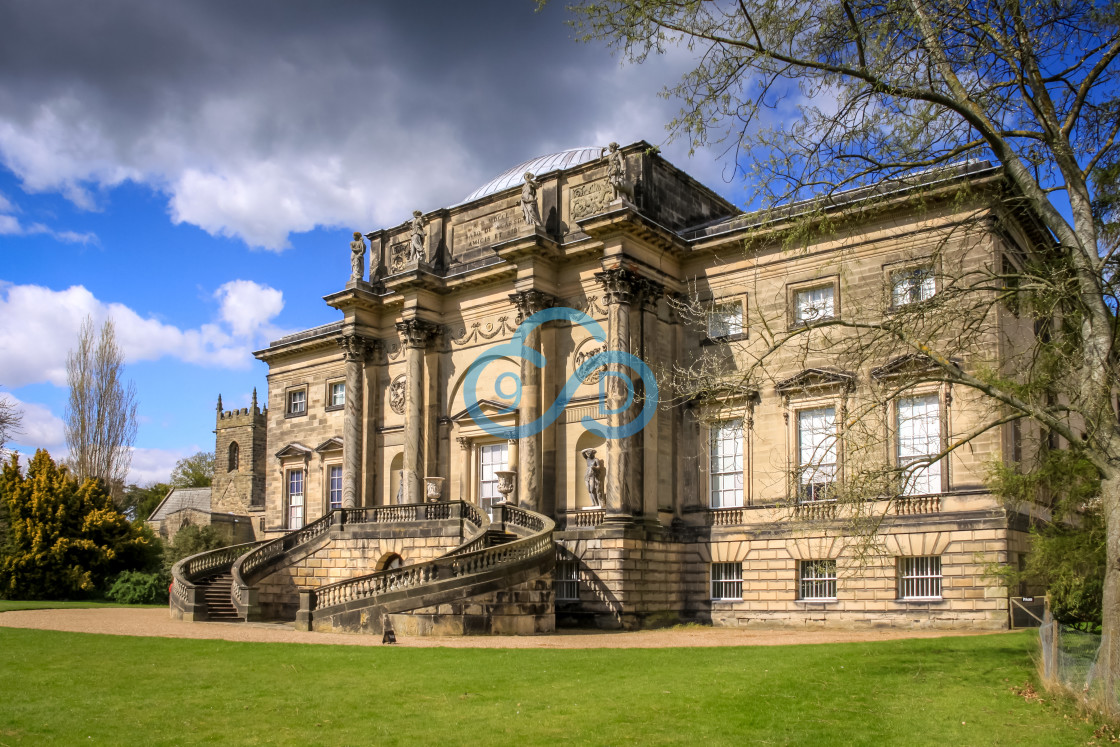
(565, 159)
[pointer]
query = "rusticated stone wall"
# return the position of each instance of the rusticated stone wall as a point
(347, 553)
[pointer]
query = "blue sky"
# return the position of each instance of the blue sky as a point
(193, 170)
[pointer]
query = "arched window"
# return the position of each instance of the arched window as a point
(234, 456)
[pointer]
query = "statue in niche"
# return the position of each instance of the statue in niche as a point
(416, 242)
(357, 257)
(592, 476)
(529, 211)
(616, 174)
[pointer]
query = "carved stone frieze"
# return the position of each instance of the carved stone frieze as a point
(589, 199)
(397, 393)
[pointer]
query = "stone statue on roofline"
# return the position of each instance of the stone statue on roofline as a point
(416, 241)
(357, 257)
(616, 174)
(593, 478)
(529, 211)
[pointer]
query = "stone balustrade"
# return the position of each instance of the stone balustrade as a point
(917, 504)
(461, 563)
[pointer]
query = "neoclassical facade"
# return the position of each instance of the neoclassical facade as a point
(721, 507)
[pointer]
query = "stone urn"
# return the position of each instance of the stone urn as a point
(433, 489)
(506, 484)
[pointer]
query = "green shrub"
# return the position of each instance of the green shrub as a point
(191, 540)
(137, 587)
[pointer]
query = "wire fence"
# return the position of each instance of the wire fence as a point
(1070, 660)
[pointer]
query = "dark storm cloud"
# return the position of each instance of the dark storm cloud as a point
(262, 118)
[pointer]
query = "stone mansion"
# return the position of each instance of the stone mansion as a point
(407, 471)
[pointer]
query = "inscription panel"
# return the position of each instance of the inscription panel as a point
(489, 229)
(589, 199)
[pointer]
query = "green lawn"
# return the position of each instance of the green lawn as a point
(68, 688)
(7, 605)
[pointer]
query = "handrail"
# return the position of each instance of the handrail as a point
(252, 566)
(186, 572)
(458, 563)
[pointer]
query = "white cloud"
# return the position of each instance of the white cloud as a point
(247, 307)
(10, 225)
(38, 326)
(155, 465)
(39, 428)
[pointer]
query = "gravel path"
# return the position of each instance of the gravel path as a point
(157, 623)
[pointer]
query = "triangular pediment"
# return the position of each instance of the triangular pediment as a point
(816, 378)
(293, 450)
(489, 408)
(334, 443)
(912, 363)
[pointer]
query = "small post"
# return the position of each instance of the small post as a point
(303, 617)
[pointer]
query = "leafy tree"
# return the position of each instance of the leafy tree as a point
(195, 471)
(191, 540)
(101, 412)
(140, 501)
(10, 418)
(1067, 554)
(67, 538)
(877, 92)
(137, 587)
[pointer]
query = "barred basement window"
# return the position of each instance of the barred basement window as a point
(817, 579)
(919, 578)
(727, 581)
(566, 581)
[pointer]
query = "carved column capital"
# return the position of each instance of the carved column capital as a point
(354, 347)
(530, 302)
(417, 333)
(619, 285)
(646, 293)
(464, 443)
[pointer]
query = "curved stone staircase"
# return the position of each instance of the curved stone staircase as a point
(495, 556)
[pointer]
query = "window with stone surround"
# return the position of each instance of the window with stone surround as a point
(566, 581)
(334, 486)
(295, 499)
(912, 285)
(919, 577)
(491, 458)
(727, 581)
(233, 460)
(919, 441)
(816, 454)
(725, 319)
(296, 402)
(814, 304)
(816, 579)
(725, 471)
(336, 395)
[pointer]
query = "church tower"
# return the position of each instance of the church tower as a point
(239, 460)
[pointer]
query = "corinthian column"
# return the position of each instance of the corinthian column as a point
(416, 334)
(529, 444)
(354, 349)
(619, 286)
